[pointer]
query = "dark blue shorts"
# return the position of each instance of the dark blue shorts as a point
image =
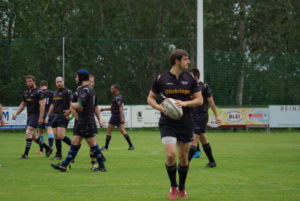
(49, 124)
(199, 124)
(115, 119)
(180, 129)
(32, 120)
(60, 120)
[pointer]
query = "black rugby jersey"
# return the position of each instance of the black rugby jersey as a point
(75, 95)
(87, 97)
(61, 100)
(182, 88)
(32, 98)
(117, 102)
(206, 93)
(48, 99)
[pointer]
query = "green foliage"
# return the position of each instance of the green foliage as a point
(128, 42)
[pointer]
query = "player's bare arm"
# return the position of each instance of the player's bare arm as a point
(74, 112)
(42, 110)
(49, 113)
(196, 101)
(2, 117)
(151, 100)
(105, 109)
(97, 113)
(77, 107)
(214, 108)
(67, 113)
(121, 114)
(20, 109)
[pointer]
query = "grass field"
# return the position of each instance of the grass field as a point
(250, 167)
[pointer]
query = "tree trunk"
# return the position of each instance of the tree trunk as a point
(241, 79)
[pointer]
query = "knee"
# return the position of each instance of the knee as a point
(183, 160)
(203, 139)
(170, 158)
(29, 134)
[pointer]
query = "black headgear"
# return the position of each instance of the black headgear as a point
(83, 75)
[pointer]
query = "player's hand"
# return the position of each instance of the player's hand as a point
(2, 123)
(68, 117)
(40, 121)
(14, 117)
(162, 109)
(180, 103)
(46, 119)
(101, 124)
(122, 121)
(101, 109)
(218, 120)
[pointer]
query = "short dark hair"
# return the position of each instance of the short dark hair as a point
(195, 72)
(44, 83)
(177, 55)
(115, 86)
(30, 77)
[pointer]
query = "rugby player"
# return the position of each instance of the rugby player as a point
(48, 99)
(117, 117)
(1, 116)
(97, 113)
(179, 85)
(200, 119)
(60, 107)
(84, 111)
(34, 101)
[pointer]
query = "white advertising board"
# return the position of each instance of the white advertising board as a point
(144, 116)
(19, 123)
(105, 116)
(284, 116)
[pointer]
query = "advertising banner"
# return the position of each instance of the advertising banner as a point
(105, 116)
(139, 116)
(240, 117)
(144, 116)
(284, 116)
(19, 123)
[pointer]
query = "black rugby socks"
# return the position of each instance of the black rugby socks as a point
(182, 171)
(172, 174)
(108, 138)
(128, 139)
(193, 150)
(208, 152)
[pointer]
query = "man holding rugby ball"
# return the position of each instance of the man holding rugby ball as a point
(181, 86)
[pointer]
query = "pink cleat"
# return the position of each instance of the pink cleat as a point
(173, 193)
(182, 194)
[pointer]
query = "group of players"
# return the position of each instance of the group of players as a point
(53, 111)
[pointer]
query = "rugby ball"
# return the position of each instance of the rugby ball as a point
(172, 109)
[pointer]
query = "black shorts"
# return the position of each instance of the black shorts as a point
(181, 129)
(115, 119)
(32, 120)
(85, 130)
(49, 124)
(60, 120)
(199, 124)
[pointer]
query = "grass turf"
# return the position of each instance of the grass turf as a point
(254, 166)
